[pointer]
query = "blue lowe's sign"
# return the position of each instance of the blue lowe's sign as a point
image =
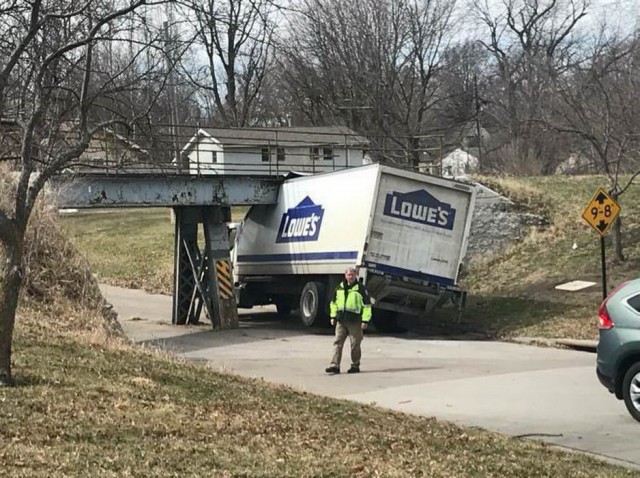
(301, 223)
(421, 207)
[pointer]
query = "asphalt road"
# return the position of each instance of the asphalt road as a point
(534, 392)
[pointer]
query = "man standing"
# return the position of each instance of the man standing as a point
(350, 312)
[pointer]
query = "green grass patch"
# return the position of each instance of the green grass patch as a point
(129, 247)
(91, 406)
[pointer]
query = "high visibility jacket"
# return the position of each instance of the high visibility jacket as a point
(350, 302)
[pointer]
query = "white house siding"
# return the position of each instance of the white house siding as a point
(302, 161)
(249, 160)
(201, 157)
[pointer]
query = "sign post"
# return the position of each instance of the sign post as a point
(600, 213)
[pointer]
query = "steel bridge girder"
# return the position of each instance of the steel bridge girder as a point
(95, 191)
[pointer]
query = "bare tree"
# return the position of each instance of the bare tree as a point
(370, 64)
(236, 37)
(531, 43)
(600, 106)
(464, 69)
(52, 88)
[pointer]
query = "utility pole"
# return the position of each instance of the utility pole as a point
(477, 115)
(171, 83)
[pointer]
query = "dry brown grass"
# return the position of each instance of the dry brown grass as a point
(54, 268)
(58, 284)
(98, 406)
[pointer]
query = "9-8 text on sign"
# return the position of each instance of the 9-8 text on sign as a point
(601, 211)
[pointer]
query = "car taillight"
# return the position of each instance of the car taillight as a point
(604, 321)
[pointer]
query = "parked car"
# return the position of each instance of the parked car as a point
(618, 357)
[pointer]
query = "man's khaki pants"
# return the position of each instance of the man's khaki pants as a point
(354, 331)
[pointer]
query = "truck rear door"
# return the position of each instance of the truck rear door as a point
(420, 227)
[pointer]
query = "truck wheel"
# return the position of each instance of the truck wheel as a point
(631, 390)
(312, 303)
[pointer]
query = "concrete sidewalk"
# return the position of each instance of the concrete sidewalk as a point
(545, 393)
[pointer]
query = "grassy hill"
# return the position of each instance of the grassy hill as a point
(513, 294)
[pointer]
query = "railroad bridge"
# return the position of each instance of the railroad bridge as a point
(202, 272)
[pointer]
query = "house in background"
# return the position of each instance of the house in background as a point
(111, 151)
(107, 150)
(272, 151)
(459, 163)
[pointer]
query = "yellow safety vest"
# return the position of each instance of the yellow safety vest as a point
(356, 301)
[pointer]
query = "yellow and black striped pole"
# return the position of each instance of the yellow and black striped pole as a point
(226, 300)
(225, 279)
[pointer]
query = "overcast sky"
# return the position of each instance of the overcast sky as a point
(619, 15)
(622, 13)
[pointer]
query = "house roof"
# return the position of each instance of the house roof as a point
(299, 136)
(134, 147)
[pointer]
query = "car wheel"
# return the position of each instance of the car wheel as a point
(312, 303)
(631, 390)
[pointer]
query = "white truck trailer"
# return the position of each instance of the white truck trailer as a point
(406, 233)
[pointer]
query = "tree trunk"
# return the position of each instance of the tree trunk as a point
(10, 283)
(617, 228)
(617, 240)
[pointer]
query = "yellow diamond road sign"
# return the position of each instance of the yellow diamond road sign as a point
(601, 211)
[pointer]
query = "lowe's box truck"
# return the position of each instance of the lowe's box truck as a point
(406, 233)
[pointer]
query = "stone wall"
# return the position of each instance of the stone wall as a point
(496, 224)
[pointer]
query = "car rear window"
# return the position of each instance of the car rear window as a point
(634, 302)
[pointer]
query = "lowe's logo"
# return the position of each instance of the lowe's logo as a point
(420, 206)
(301, 223)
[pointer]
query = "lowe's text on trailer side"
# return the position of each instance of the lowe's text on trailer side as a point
(405, 232)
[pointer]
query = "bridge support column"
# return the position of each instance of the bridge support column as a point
(203, 276)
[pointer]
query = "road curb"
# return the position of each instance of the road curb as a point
(585, 345)
(575, 344)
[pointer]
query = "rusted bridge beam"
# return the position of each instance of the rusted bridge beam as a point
(102, 190)
(202, 272)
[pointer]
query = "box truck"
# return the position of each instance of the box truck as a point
(406, 233)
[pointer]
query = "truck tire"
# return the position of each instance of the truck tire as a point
(312, 303)
(631, 390)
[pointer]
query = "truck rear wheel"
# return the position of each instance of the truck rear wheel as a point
(312, 303)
